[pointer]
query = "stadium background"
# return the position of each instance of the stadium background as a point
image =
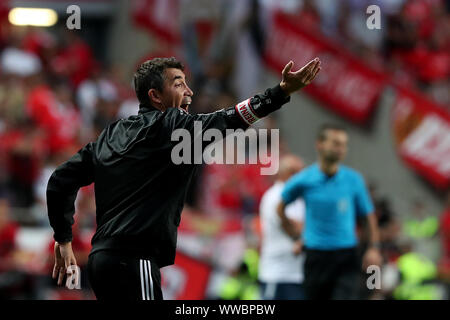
(389, 87)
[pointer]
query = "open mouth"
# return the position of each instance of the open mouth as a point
(185, 105)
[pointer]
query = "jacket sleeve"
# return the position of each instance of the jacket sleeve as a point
(240, 116)
(62, 189)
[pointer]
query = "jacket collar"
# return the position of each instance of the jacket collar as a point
(146, 108)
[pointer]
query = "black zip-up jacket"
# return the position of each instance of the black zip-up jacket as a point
(139, 191)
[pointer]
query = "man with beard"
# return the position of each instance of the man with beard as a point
(334, 195)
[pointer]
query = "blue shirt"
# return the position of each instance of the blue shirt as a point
(332, 204)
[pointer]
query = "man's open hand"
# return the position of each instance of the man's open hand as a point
(294, 81)
(64, 258)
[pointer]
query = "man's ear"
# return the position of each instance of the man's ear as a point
(155, 96)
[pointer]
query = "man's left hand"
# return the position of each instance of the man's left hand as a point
(64, 258)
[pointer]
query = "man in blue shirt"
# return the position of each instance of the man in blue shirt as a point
(334, 196)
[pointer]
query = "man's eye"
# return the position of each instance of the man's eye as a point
(178, 85)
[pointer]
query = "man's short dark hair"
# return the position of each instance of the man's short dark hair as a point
(322, 133)
(150, 75)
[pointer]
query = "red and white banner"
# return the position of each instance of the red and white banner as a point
(187, 279)
(161, 17)
(345, 84)
(422, 135)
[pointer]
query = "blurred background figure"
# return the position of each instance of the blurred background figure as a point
(335, 195)
(11, 283)
(422, 228)
(281, 262)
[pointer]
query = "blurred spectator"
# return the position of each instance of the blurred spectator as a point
(13, 282)
(92, 94)
(242, 283)
(15, 60)
(12, 103)
(281, 262)
(388, 224)
(421, 227)
(8, 232)
(418, 278)
(22, 149)
(51, 109)
(75, 59)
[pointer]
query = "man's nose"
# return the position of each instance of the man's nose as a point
(189, 92)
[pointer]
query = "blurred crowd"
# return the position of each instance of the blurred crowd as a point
(223, 40)
(55, 96)
(413, 43)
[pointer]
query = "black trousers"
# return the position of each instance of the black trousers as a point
(115, 276)
(332, 274)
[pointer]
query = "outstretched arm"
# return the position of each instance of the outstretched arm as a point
(260, 106)
(247, 112)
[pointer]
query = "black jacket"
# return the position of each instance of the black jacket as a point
(139, 191)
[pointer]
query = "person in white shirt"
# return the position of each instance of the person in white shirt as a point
(281, 262)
